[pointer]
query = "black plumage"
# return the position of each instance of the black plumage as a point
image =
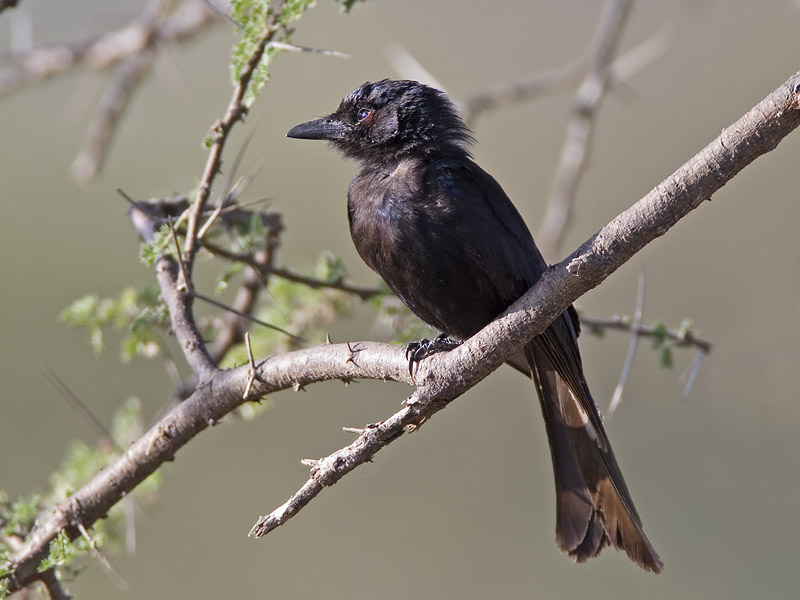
(448, 241)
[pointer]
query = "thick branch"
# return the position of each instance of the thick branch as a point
(206, 406)
(179, 301)
(444, 377)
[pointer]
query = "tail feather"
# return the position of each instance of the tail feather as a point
(593, 506)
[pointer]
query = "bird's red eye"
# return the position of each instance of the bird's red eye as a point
(364, 114)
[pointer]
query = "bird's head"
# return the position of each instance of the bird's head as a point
(390, 119)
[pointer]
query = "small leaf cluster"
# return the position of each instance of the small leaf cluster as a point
(401, 325)
(255, 21)
(139, 313)
(160, 243)
(297, 308)
(664, 340)
(80, 463)
(347, 5)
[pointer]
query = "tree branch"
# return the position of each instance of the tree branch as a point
(683, 338)
(104, 51)
(90, 159)
(235, 112)
(575, 151)
(444, 377)
(284, 273)
(563, 78)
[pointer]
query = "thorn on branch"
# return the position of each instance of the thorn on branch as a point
(353, 351)
(103, 560)
(184, 284)
(252, 375)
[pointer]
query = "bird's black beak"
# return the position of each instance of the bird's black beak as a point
(318, 129)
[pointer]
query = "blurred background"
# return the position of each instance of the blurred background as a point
(465, 507)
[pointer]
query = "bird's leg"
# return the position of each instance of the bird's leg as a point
(416, 351)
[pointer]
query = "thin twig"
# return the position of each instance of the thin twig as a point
(90, 159)
(244, 315)
(506, 94)
(289, 275)
(103, 560)
(563, 78)
(53, 586)
(408, 67)
(251, 377)
(575, 151)
(295, 48)
(694, 369)
(79, 407)
(102, 52)
(234, 113)
(253, 283)
(682, 337)
(626, 369)
(182, 265)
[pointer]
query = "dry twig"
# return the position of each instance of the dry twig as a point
(579, 130)
(105, 51)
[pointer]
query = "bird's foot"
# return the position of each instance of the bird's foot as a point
(416, 351)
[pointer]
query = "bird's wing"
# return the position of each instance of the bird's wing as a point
(498, 240)
(594, 505)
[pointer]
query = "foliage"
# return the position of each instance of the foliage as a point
(161, 243)
(297, 308)
(144, 320)
(257, 24)
(138, 312)
(400, 324)
(80, 463)
(347, 5)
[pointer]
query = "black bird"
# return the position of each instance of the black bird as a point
(447, 240)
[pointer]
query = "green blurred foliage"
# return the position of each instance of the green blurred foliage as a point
(81, 462)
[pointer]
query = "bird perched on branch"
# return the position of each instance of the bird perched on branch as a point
(448, 241)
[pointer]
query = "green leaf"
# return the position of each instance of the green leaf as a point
(660, 334)
(158, 245)
(139, 311)
(227, 274)
(21, 515)
(666, 356)
(292, 10)
(251, 16)
(330, 268)
(81, 312)
(346, 5)
(62, 552)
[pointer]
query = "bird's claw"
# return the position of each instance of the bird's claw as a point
(417, 351)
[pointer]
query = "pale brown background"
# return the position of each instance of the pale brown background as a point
(463, 509)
